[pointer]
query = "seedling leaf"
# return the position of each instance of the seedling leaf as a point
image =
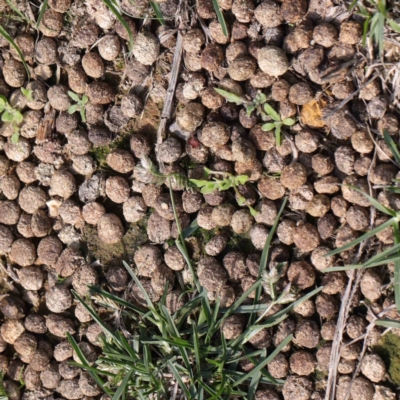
(230, 97)
(271, 112)
(268, 126)
(15, 138)
(394, 25)
(288, 121)
(388, 323)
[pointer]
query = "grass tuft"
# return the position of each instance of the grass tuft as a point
(186, 349)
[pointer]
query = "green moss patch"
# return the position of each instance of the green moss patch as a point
(107, 254)
(389, 349)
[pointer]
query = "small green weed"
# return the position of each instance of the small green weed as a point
(377, 19)
(277, 123)
(261, 107)
(79, 106)
(12, 116)
(27, 93)
(149, 173)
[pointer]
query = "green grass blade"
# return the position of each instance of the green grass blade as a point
(221, 18)
(17, 11)
(388, 323)
(10, 40)
(95, 317)
(255, 380)
(261, 365)
(43, 9)
(122, 389)
(197, 352)
(361, 238)
(141, 288)
(352, 267)
(397, 268)
(192, 228)
(239, 301)
(121, 19)
(116, 299)
(85, 363)
(265, 254)
(179, 379)
(392, 145)
(180, 242)
(394, 25)
(293, 305)
(157, 11)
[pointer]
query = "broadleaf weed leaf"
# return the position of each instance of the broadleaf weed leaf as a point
(271, 112)
(7, 117)
(73, 95)
(268, 126)
(15, 138)
(288, 121)
(17, 117)
(73, 108)
(231, 97)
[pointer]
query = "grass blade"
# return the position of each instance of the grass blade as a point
(121, 19)
(10, 40)
(362, 266)
(85, 363)
(221, 18)
(388, 323)
(397, 268)
(43, 8)
(122, 389)
(261, 365)
(361, 238)
(95, 317)
(17, 11)
(157, 10)
(392, 145)
(179, 379)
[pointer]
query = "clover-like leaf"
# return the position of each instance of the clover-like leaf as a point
(17, 117)
(271, 112)
(261, 98)
(73, 108)
(73, 95)
(288, 121)
(268, 126)
(7, 117)
(231, 97)
(15, 138)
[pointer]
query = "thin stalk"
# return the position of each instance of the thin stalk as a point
(397, 268)
(182, 247)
